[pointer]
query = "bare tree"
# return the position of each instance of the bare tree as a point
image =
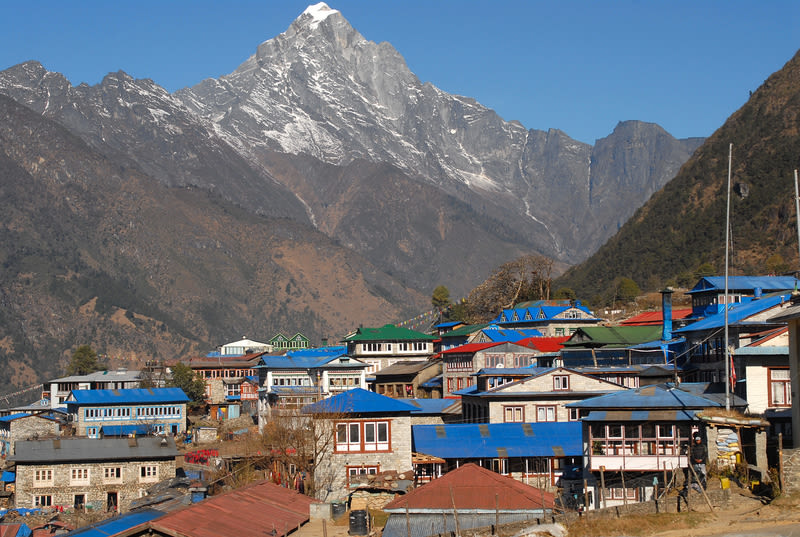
(526, 278)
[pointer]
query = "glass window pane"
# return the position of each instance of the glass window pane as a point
(369, 432)
(383, 432)
(354, 432)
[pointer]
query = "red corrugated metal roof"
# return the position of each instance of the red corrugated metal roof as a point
(473, 487)
(768, 336)
(9, 530)
(544, 344)
(649, 318)
(253, 510)
(472, 347)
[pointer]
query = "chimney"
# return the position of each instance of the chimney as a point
(666, 313)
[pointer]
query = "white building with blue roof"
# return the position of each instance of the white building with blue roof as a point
(98, 413)
(359, 433)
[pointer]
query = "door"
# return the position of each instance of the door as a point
(112, 502)
(80, 502)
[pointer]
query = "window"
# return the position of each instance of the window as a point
(780, 387)
(523, 360)
(112, 474)
(495, 360)
(43, 501)
(545, 413)
(79, 476)
(513, 414)
(148, 472)
(561, 382)
(93, 432)
(574, 414)
(376, 436)
(358, 474)
(43, 477)
(357, 436)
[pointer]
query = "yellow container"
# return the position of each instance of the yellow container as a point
(726, 483)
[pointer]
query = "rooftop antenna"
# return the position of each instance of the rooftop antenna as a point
(727, 243)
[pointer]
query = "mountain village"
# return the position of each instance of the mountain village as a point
(547, 410)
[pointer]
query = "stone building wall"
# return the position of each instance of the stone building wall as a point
(791, 470)
(31, 428)
(331, 471)
(95, 488)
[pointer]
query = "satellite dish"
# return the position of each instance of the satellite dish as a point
(500, 366)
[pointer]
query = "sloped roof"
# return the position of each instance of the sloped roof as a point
(656, 317)
(387, 332)
(127, 396)
(257, 509)
(510, 335)
(659, 396)
(540, 313)
(359, 401)
(492, 440)
(464, 330)
(471, 487)
(406, 367)
(62, 450)
(117, 524)
(245, 360)
(115, 375)
(544, 344)
(471, 348)
(737, 313)
(604, 336)
(431, 406)
(745, 283)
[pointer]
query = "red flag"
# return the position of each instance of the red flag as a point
(733, 375)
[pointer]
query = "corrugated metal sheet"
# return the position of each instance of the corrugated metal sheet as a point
(257, 509)
(471, 487)
(125, 430)
(94, 449)
(117, 397)
(640, 415)
(118, 524)
(650, 398)
(358, 401)
(736, 313)
(746, 283)
(467, 441)
(388, 332)
(425, 525)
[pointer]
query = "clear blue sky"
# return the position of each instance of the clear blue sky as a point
(576, 65)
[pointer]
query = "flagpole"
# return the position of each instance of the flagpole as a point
(727, 243)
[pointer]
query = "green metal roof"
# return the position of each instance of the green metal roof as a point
(604, 336)
(387, 332)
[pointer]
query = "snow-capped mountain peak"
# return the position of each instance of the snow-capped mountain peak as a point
(318, 12)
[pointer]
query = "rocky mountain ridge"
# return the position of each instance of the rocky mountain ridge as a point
(321, 90)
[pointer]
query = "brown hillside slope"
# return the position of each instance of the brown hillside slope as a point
(683, 225)
(97, 253)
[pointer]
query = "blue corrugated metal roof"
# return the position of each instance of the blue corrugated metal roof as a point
(116, 397)
(359, 401)
(435, 382)
(429, 406)
(736, 313)
(12, 417)
(491, 440)
(466, 391)
(640, 415)
(118, 524)
(649, 397)
(543, 313)
(125, 430)
(498, 335)
(745, 283)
